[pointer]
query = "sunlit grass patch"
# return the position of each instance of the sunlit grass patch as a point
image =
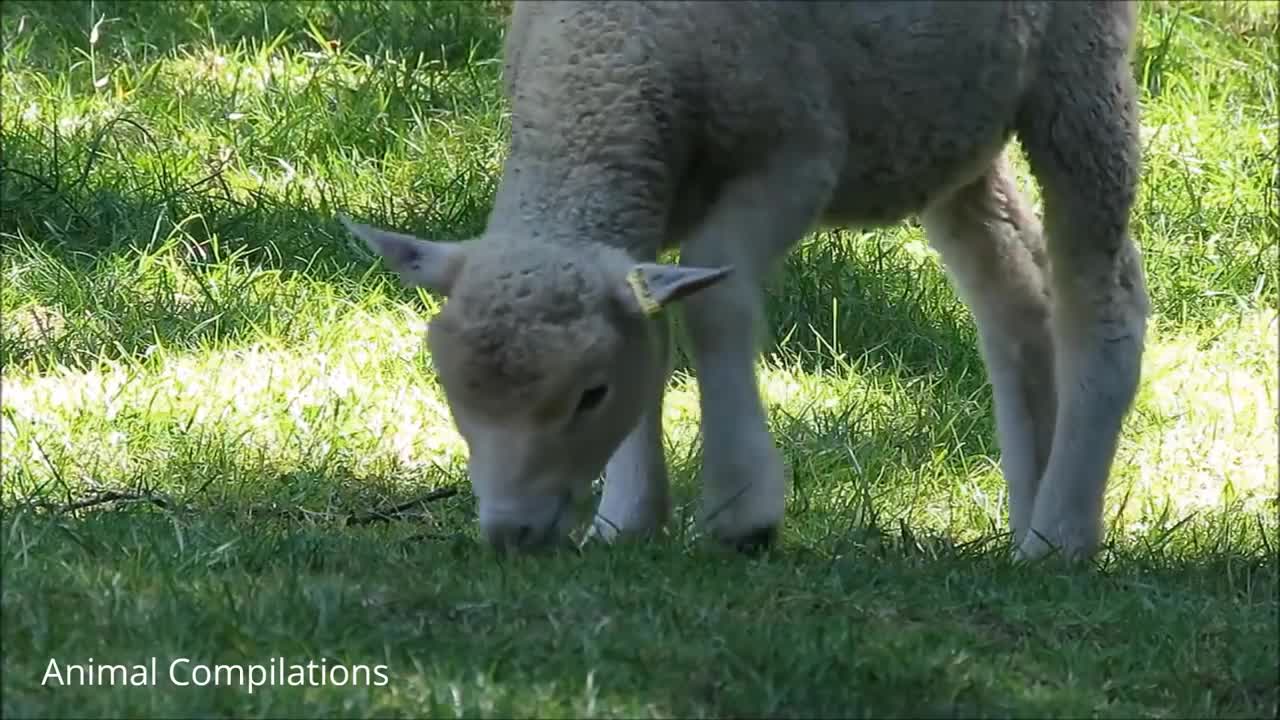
(355, 389)
(348, 392)
(1205, 425)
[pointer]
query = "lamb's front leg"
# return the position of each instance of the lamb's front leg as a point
(756, 219)
(637, 499)
(743, 477)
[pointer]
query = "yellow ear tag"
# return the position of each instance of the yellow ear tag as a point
(638, 288)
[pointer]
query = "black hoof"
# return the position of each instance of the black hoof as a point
(756, 542)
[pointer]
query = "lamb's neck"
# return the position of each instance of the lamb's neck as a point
(624, 205)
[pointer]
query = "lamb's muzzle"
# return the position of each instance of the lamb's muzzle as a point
(531, 526)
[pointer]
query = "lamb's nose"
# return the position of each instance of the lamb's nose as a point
(532, 525)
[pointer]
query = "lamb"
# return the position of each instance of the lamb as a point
(730, 130)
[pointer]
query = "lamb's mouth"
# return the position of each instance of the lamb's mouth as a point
(551, 529)
(533, 539)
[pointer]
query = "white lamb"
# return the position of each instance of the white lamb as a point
(731, 130)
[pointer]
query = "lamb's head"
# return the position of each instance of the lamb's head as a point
(547, 354)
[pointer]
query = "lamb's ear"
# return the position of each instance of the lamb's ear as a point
(652, 286)
(419, 263)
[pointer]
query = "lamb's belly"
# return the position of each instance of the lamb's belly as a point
(882, 187)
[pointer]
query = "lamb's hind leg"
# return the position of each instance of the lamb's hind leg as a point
(1079, 127)
(993, 250)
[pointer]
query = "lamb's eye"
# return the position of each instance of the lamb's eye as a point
(592, 397)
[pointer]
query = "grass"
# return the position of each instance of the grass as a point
(187, 329)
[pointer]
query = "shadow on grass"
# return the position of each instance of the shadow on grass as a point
(902, 630)
(875, 302)
(109, 267)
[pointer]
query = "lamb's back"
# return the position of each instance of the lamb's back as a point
(909, 98)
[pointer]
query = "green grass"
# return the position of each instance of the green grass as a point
(185, 324)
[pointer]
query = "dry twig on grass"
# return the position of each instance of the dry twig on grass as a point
(400, 509)
(111, 496)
